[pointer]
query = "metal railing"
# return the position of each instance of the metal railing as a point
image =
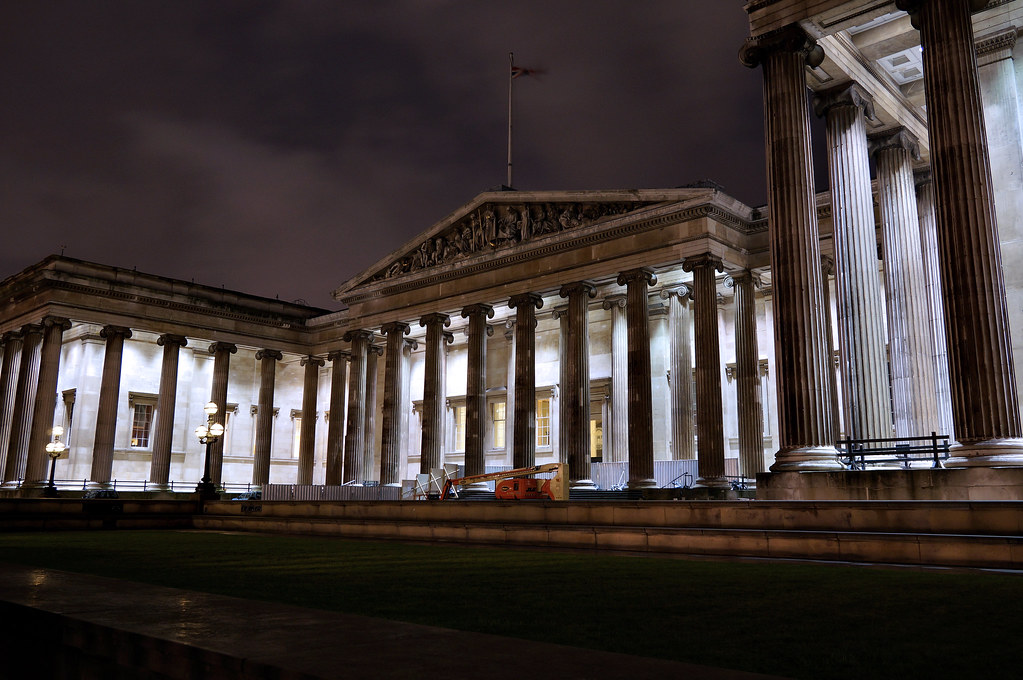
(901, 451)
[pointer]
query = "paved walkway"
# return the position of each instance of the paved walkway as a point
(196, 635)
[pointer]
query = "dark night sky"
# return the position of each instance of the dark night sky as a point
(279, 148)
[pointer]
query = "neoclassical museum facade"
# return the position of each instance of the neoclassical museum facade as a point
(601, 326)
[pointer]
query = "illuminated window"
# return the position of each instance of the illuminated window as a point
(142, 425)
(543, 422)
(596, 440)
(498, 415)
(459, 413)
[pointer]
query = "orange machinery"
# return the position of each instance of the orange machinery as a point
(510, 484)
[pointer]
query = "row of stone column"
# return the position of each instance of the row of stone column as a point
(980, 372)
(631, 382)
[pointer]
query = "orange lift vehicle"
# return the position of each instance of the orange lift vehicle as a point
(516, 484)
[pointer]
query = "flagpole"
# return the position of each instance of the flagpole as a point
(511, 70)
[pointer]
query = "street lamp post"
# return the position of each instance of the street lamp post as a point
(207, 434)
(55, 449)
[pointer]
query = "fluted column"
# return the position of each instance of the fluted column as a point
(710, 433)
(433, 390)
(159, 467)
(106, 413)
(747, 375)
(804, 404)
(267, 359)
(932, 273)
(576, 389)
(394, 402)
(8, 389)
(24, 403)
(910, 339)
(355, 439)
(525, 306)
(307, 437)
(619, 438)
(369, 450)
(45, 401)
(564, 369)
(985, 404)
(640, 423)
(860, 304)
(221, 352)
(509, 404)
(827, 269)
(405, 412)
(476, 387)
(336, 419)
(680, 371)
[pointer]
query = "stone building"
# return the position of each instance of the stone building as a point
(619, 327)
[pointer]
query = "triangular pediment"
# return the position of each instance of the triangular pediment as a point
(503, 221)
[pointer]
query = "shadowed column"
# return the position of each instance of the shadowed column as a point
(394, 402)
(860, 304)
(106, 414)
(576, 390)
(985, 405)
(24, 402)
(747, 375)
(476, 387)
(159, 467)
(804, 403)
(619, 378)
(8, 389)
(525, 306)
(307, 437)
(354, 430)
(335, 422)
(641, 420)
(433, 391)
(267, 359)
(46, 399)
(370, 423)
(221, 352)
(680, 370)
(509, 396)
(709, 416)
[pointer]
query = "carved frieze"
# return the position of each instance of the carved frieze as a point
(497, 226)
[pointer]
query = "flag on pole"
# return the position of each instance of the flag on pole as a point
(518, 71)
(513, 73)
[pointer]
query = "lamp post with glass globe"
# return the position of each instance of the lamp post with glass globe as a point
(55, 449)
(207, 434)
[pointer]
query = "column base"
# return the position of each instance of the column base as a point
(712, 483)
(641, 484)
(806, 459)
(987, 453)
(583, 485)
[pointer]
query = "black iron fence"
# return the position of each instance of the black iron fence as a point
(905, 452)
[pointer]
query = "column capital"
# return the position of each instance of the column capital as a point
(218, 347)
(559, 312)
(64, 323)
(922, 176)
(359, 334)
(790, 38)
(447, 337)
(315, 361)
(578, 287)
(478, 308)
(682, 291)
(897, 138)
(912, 7)
(399, 327)
(377, 349)
(849, 94)
(525, 300)
(31, 329)
(10, 335)
(827, 265)
(645, 274)
(171, 339)
(269, 354)
(339, 355)
(435, 318)
(703, 260)
(737, 278)
(412, 344)
(113, 332)
(617, 300)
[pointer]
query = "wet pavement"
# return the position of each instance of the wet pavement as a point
(187, 634)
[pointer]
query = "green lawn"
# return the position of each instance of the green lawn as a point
(796, 620)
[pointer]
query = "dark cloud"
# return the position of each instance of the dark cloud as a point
(281, 147)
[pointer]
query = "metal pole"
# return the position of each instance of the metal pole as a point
(511, 68)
